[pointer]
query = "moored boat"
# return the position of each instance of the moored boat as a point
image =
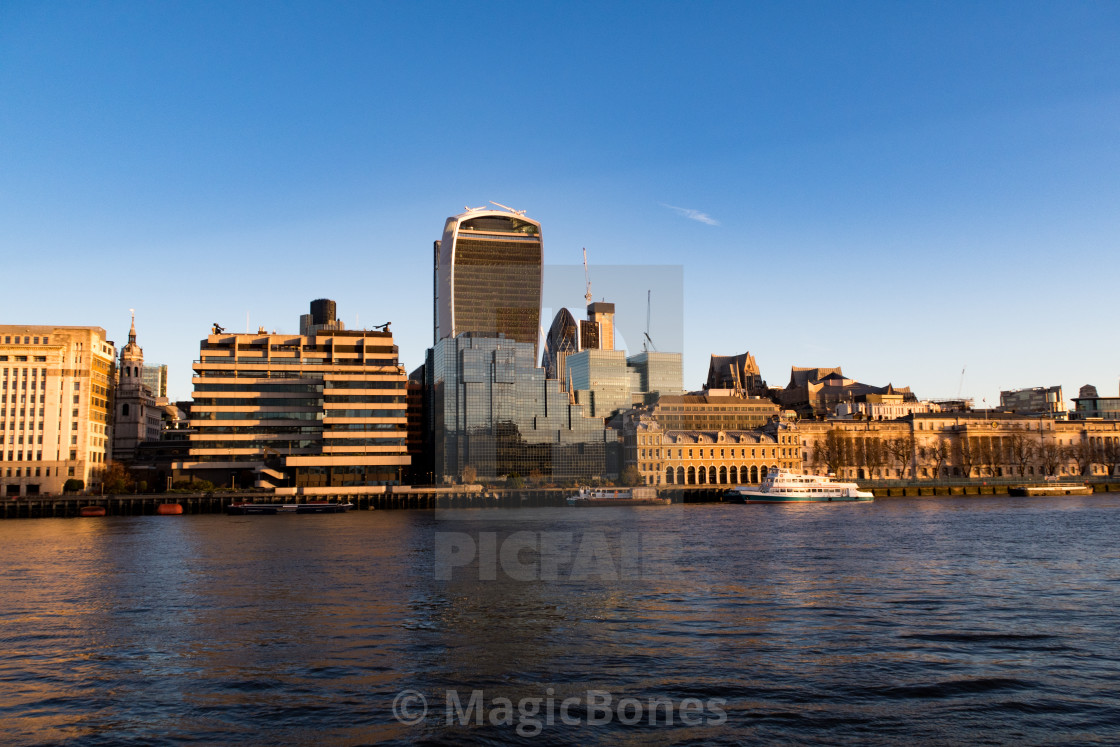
(1053, 488)
(617, 497)
(783, 486)
(169, 509)
(314, 507)
(91, 511)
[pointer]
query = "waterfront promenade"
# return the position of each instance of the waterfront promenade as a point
(65, 506)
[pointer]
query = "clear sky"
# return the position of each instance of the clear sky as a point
(902, 189)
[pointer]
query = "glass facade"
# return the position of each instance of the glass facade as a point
(155, 378)
(1097, 407)
(660, 373)
(491, 408)
(602, 380)
(488, 277)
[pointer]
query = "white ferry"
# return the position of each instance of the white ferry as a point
(783, 486)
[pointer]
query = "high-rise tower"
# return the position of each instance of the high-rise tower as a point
(488, 276)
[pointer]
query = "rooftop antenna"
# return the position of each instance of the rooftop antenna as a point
(587, 277)
(507, 207)
(649, 342)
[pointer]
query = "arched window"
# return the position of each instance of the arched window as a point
(733, 475)
(680, 476)
(668, 475)
(691, 475)
(762, 472)
(712, 475)
(701, 476)
(754, 475)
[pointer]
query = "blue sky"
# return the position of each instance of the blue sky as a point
(903, 189)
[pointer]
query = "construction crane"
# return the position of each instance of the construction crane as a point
(383, 327)
(649, 341)
(961, 387)
(587, 277)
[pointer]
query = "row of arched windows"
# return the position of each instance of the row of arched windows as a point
(716, 476)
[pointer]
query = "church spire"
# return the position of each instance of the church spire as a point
(132, 330)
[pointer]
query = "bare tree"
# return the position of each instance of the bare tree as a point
(830, 451)
(901, 449)
(1052, 456)
(873, 453)
(966, 453)
(1022, 448)
(938, 451)
(1110, 454)
(469, 475)
(1084, 452)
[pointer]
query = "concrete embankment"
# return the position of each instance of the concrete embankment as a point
(31, 507)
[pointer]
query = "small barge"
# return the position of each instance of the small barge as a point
(317, 507)
(617, 497)
(1052, 488)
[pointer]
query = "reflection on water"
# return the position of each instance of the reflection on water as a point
(934, 620)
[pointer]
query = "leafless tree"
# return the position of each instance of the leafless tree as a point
(1084, 452)
(938, 451)
(901, 449)
(966, 453)
(1022, 447)
(830, 451)
(1052, 456)
(873, 453)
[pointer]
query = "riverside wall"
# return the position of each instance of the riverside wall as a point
(66, 506)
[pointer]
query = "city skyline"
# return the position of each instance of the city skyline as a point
(900, 190)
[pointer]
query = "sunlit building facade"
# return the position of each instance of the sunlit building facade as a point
(488, 274)
(319, 411)
(707, 457)
(56, 392)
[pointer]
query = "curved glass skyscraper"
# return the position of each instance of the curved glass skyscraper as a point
(488, 270)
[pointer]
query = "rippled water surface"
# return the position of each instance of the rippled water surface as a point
(929, 621)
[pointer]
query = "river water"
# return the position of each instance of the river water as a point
(982, 620)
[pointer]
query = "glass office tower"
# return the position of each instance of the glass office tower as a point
(492, 408)
(488, 276)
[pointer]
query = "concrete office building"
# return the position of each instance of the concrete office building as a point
(56, 384)
(487, 276)
(1033, 401)
(280, 411)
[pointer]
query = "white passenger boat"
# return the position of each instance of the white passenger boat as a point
(783, 486)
